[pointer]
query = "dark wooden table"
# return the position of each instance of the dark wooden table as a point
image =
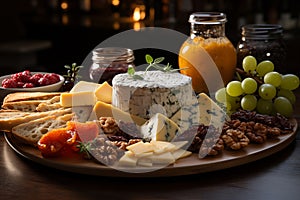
(274, 177)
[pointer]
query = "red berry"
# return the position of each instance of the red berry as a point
(28, 85)
(17, 77)
(44, 81)
(53, 78)
(20, 84)
(35, 78)
(9, 83)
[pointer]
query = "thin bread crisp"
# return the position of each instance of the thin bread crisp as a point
(31, 132)
(10, 119)
(25, 96)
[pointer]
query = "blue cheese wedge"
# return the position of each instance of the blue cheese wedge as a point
(202, 111)
(157, 92)
(210, 112)
(160, 128)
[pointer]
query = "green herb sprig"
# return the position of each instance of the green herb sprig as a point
(152, 63)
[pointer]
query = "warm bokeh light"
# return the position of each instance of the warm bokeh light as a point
(64, 5)
(115, 2)
(137, 14)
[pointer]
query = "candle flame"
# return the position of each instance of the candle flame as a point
(64, 5)
(137, 14)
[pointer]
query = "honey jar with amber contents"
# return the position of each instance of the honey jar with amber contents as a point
(207, 52)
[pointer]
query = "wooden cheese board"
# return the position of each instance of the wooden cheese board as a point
(184, 166)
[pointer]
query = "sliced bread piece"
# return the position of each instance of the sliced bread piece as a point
(10, 119)
(25, 106)
(25, 96)
(31, 132)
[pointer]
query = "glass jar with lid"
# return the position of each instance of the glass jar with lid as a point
(110, 61)
(264, 42)
(207, 47)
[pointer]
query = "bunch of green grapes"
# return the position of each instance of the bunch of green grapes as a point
(263, 89)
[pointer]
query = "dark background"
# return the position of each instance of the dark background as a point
(55, 37)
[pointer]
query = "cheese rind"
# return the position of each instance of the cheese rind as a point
(160, 128)
(77, 99)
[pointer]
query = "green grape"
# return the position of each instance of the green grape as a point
(267, 91)
(249, 64)
(289, 82)
(264, 67)
(234, 102)
(273, 78)
(283, 106)
(264, 106)
(287, 94)
(249, 85)
(249, 102)
(234, 88)
(220, 95)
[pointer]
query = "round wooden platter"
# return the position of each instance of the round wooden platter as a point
(185, 166)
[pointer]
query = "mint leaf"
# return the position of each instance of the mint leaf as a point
(130, 71)
(149, 59)
(159, 60)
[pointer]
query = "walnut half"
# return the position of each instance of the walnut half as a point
(235, 139)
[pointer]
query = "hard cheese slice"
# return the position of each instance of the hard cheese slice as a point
(104, 93)
(159, 128)
(78, 99)
(102, 109)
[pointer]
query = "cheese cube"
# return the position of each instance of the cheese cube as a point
(104, 93)
(159, 128)
(85, 86)
(102, 109)
(77, 99)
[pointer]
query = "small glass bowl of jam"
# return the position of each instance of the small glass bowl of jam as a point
(264, 42)
(110, 61)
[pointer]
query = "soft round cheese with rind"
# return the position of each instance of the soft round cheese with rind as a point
(157, 92)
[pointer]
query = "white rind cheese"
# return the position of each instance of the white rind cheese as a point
(157, 92)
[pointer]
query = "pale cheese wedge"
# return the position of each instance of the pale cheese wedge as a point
(85, 86)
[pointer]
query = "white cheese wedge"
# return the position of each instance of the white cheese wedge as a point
(85, 86)
(78, 99)
(161, 146)
(159, 128)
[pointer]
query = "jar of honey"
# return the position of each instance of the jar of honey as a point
(110, 61)
(264, 42)
(207, 52)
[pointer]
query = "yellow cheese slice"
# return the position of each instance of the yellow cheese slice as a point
(104, 93)
(78, 99)
(102, 109)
